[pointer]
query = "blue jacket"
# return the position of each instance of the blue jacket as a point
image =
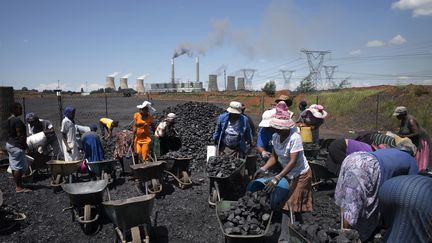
(245, 132)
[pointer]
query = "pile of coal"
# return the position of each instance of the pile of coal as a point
(195, 124)
(249, 216)
(177, 155)
(109, 146)
(223, 166)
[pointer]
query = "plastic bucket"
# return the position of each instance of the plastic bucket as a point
(306, 134)
(36, 140)
(278, 197)
(211, 151)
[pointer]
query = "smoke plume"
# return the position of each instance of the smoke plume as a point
(127, 75)
(113, 74)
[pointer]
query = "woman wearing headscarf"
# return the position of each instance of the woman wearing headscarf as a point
(411, 128)
(143, 122)
(68, 131)
(313, 117)
(166, 136)
(288, 152)
(360, 177)
(406, 208)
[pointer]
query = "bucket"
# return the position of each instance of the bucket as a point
(306, 134)
(211, 151)
(36, 140)
(278, 197)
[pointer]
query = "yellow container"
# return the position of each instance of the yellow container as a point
(306, 134)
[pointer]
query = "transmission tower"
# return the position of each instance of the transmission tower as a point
(315, 61)
(329, 70)
(248, 75)
(287, 77)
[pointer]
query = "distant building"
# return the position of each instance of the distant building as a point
(186, 87)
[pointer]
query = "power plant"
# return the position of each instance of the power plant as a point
(110, 82)
(123, 83)
(139, 87)
(212, 85)
(231, 83)
(241, 83)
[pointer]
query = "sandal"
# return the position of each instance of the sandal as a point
(23, 190)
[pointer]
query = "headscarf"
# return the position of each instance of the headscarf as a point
(69, 112)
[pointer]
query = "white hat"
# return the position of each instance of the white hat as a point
(235, 107)
(266, 117)
(146, 104)
(171, 116)
(400, 110)
(317, 111)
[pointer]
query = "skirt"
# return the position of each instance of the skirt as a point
(301, 194)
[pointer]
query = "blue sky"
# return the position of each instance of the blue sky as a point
(371, 42)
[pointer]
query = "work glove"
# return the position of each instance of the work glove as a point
(265, 154)
(271, 185)
(259, 173)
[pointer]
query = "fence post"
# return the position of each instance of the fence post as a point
(262, 104)
(106, 106)
(24, 111)
(317, 99)
(376, 113)
(60, 106)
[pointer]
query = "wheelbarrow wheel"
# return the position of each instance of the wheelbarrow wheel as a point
(136, 236)
(87, 217)
(156, 186)
(185, 177)
(57, 179)
(214, 196)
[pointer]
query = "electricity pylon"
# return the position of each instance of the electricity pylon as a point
(287, 74)
(329, 70)
(248, 75)
(315, 61)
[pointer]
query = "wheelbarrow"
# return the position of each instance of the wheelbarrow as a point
(311, 150)
(9, 216)
(104, 169)
(150, 173)
(85, 200)
(230, 187)
(130, 214)
(320, 173)
(223, 206)
(61, 169)
(178, 168)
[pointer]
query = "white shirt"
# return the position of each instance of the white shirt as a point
(283, 149)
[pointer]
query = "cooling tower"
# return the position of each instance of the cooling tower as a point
(231, 83)
(140, 86)
(110, 82)
(123, 83)
(212, 85)
(241, 83)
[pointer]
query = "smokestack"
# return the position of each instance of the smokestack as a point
(197, 68)
(110, 82)
(231, 83)
(241, 83)
(172, 71)
(212, 85)
(123, 83)
(140, 85)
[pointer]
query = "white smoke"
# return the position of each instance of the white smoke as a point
(127, 75)
(143, 76)
(113, 74)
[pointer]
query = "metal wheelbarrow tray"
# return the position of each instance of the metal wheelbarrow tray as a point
(222, 187)
(61, 168)
(178, 168)
(85, 195)
(130, 213)
(320, 173)
(103, 169)
(222, 206)
(153, 172)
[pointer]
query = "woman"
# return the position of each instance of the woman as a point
(410, 128)
(265, 134)
(232, 131)
(68, 131)
(314, 117)
(288, 151)
(360, 178)
(166, 136)
(143, 122)
(406, 208)
(108, 125)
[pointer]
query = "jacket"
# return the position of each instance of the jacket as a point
(245, 132)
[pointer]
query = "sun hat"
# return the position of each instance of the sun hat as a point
(400, 110)
(405, 144)
(31, 117)
(285, 99)
(146, 104)
(171, 116)
(317, 111)
(282, 118)
(234, 107)
(266, 118)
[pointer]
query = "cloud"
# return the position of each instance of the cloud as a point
(51, 86)
(427, 81)
(375, 43)
(418, 7)
(355, 52)
(397, 40)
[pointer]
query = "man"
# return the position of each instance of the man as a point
(108, 125)
(36, 125)
(16, 145)
(232, 131)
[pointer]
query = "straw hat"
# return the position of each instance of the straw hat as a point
(266, 118)
(235, 107)
(285, 99)
(317, 111)
(282, 119)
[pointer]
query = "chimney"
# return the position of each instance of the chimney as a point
(172, 71)
(197, 69)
